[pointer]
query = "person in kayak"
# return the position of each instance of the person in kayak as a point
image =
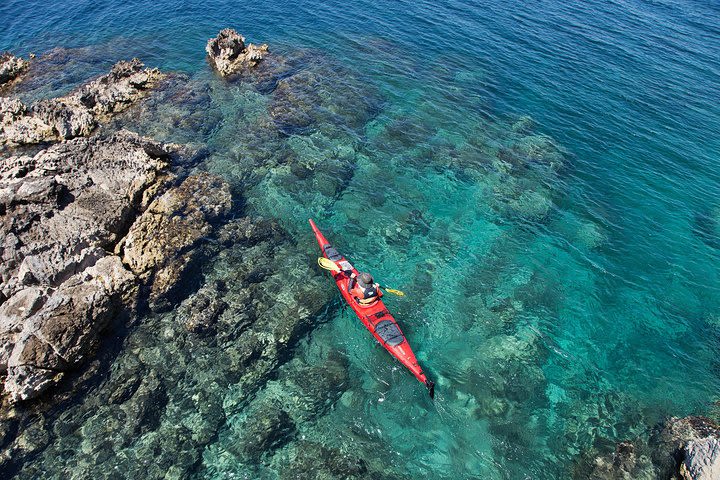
(364, 288)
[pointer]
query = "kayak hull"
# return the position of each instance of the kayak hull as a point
(376, 318)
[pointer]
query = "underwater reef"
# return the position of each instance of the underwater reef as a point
(161, 318)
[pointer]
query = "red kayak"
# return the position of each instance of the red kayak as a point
(376, 317)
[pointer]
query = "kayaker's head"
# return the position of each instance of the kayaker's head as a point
(365, 279)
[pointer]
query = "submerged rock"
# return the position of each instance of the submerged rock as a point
(179, 109)
(679, 449)
(264, 429)
(159, 247)
(11, 67)
(286, 406)
(78, 113)
(202, 309)
(311, 460)
(229, 54)
(310, 391)
(625, 463)
(320, 94)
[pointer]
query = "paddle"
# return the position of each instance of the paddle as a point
(328, 264)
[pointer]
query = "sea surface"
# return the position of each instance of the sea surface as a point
(541, 178)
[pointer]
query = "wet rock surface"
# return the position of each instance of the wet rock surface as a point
(687, 448)
(78, 113)
(229, 54)
(678, 448)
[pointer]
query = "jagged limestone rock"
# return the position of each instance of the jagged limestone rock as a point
(11, 67)
(61, 212)
(66, 329)
(78, 113)
(229, 54)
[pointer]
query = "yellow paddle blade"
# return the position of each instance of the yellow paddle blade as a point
(395, 292)
(328, 264)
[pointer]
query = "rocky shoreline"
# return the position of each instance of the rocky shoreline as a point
(89, 221)
(79, 113)
(101, 228)
(142, 309)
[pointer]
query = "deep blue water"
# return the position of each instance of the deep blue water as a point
(560, 309)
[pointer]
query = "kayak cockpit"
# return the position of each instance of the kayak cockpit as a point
(331, 253)
(389, 333)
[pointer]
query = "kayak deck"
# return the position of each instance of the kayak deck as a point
(375, 317)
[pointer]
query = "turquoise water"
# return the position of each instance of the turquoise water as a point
(541, 179)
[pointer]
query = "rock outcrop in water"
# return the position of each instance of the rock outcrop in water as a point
(62, 211)
(688, 448)
(679, 449)
(171, 390)
(11, 67)
(229, 54)
(78, 113)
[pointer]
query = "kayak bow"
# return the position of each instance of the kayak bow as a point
(376, 317)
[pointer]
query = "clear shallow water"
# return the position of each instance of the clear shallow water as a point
(563, 278)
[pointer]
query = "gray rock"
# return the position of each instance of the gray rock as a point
(228, 53)
(62, 210)
(11, 67)
(78, 113)
(73, 204)
(65, 330)
(702, 459)
(687, 448)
